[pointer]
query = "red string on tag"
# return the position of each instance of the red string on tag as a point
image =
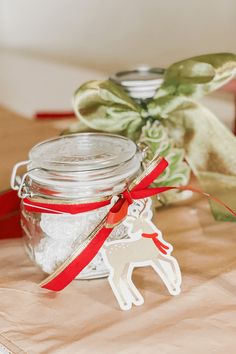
(160, 245)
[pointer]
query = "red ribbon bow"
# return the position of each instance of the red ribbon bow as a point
(88, 249)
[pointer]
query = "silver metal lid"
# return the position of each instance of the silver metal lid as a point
(140, 83)
(78, 166)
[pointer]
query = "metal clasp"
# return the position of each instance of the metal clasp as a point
(23, 189)
(143, 149)
(16, 180)
(19, 183)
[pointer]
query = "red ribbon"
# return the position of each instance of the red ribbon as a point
(33, 206)
(10, 215)
(82, 257)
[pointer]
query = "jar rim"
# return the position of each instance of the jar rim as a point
(142, 76)
(105, 159)
(141, 83)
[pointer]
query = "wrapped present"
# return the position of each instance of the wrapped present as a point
(190, 131)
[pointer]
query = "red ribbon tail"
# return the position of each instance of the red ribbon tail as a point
(67, 272)
(209, 196)
(66, 275)
(152, 175)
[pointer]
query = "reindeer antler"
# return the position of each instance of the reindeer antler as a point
(144, 201)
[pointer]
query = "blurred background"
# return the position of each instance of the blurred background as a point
(49, 47)
(111, 34)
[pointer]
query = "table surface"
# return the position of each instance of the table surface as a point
(84, 318)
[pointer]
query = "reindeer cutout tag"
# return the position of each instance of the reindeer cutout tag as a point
(145, 247)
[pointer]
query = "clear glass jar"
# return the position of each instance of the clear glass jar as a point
(74, 169)
(141, 84)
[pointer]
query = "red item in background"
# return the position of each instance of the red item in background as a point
(10, 215)
(54, 115)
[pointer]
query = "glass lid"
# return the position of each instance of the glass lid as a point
(82, 152)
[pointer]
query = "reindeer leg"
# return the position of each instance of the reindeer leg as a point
(176, 273)
(119, 290)
(136, 296)
(170, 275)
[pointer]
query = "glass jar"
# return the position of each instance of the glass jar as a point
(73, 169)
(141, 84)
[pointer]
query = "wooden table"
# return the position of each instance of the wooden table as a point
(84, 318)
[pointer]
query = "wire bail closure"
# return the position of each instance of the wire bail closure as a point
(19, 183)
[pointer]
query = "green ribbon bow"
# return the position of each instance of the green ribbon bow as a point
(173, 115)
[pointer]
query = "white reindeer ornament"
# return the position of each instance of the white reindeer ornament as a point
(145, 247)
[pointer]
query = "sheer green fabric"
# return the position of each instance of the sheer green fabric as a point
(208, 146)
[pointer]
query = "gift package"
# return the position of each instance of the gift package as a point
(88, 195)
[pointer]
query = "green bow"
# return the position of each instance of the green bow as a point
(173, 120)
